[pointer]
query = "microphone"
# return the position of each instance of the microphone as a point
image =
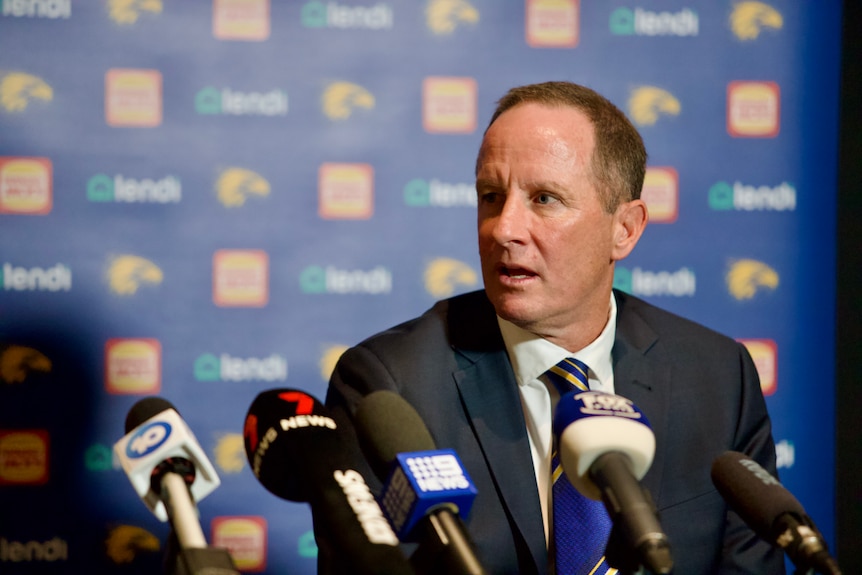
(294, 448)
(771, 511)
(170, 471)
(606, 446)
(427, 489)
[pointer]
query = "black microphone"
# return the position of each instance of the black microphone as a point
(294, 448)
(771, 511)
(426, 490)
(170, 471)
(606, 445)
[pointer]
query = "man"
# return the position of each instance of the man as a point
(558, 179)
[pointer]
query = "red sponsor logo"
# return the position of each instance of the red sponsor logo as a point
(245, 539)
(25, 186)
(552, 23)
(23, 457)
(764, 352)
(133, 366)
(753, 109)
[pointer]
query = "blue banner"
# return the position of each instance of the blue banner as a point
(204, 200)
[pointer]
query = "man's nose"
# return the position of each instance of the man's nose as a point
(511, 223)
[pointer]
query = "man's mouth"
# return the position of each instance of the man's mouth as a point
(516, 272)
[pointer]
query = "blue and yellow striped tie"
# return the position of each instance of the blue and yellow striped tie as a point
(581, 525)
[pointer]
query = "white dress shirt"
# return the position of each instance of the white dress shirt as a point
(532, 356)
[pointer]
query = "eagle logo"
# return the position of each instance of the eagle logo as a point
(647, 103)
(230, 452)
(446, 275)
(444, 16)
(128, 11)
(126, 273)
(746, 277)
(125, 541)
(18, 89)
(341, 98)
(749, 18)
(18, 361)
(329, 359)
(234, 185)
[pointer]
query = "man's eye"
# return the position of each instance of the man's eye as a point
(544, 198)
(488, 197)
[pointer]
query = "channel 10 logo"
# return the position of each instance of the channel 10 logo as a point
(148, 439)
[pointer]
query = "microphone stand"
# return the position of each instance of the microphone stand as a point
(445, 547)
(187, 550)
(804, 544)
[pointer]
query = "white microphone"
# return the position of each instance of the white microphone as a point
(157, 442)
(170, 471)
(606, 446)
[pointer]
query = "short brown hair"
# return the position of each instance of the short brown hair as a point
(619, 159)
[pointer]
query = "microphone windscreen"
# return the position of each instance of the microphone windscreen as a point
(297, 453)
(291, 443)
(387, 425)
(144, 409)
(752, 492)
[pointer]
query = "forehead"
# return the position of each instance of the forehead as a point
(536, 132)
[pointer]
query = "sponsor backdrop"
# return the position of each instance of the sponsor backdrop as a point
(203, 200)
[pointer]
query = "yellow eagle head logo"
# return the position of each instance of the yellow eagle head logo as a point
(235, 184)
(17, 361)
(128, 11)
(125, 541)
(647, 103)
(17, 89)
(127, 272)
(746, 277)
(443, 16)
(341, 98)
(329, 359)
(230, 452)
(445, 275)
(749, 18)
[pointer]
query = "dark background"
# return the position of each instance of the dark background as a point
(849, 340)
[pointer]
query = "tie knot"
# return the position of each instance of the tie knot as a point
(569, 374)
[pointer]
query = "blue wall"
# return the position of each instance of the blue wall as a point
(203, 200)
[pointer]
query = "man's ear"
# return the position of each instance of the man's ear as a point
(630, 220)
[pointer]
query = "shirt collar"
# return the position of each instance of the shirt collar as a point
(531, 355)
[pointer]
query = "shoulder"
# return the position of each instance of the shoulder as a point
(464, 321)
(419, 352)
(642, 321)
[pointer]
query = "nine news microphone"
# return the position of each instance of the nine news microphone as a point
(294, 448)
(170, 471)
(771, 511)
(606, 446)
(426, 488)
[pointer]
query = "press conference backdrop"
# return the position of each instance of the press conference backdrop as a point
(205, 199)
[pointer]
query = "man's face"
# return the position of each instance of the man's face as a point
(546, 243)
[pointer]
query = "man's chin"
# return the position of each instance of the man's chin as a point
(515, 309)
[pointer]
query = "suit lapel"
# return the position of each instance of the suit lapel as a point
(490, 395)
(642, 379)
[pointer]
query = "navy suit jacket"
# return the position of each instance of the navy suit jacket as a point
(699, 390)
